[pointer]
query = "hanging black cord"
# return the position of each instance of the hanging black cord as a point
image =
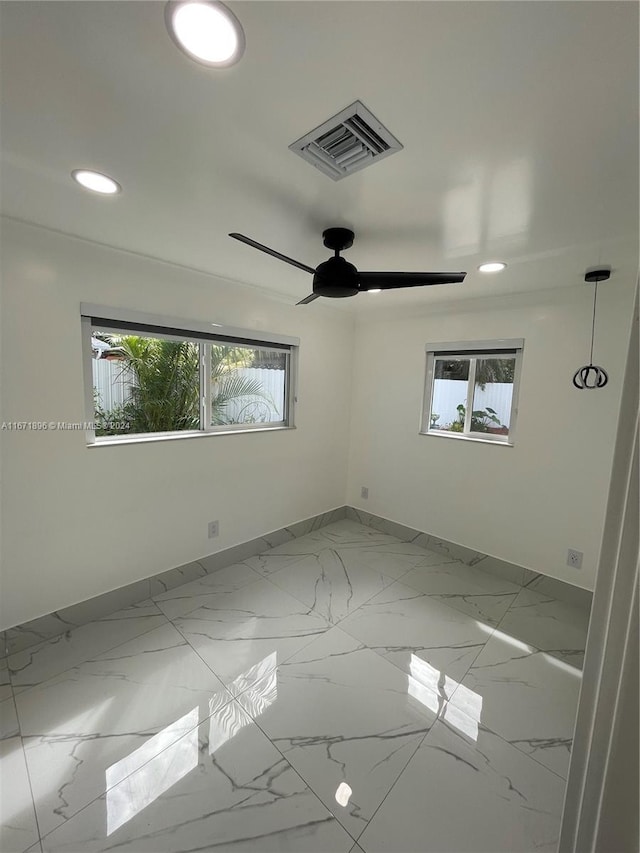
(592, 376)
(593, 322)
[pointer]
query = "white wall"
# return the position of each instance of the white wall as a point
(80, 521)
(525, 504)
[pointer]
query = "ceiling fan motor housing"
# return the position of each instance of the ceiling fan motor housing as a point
(335, 278)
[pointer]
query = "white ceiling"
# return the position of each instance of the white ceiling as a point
(519, 123)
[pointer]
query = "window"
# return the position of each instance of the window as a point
(147, 376)
(471, 390)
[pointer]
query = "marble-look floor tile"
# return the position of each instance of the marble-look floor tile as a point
(384, 525)
(464, 795)
(251, 627)
(52, 657)
(301, 528)
(447, 549)
(67, 619)
(36, 631)
(178, 576)
(392, 560)
(5, 681)
(191, 596)
(548, 624)
(8, 719)
(561, 590)
(500, 568)
(92, 722)
(350, 534)
(220, 787)
(330, 584)
(340, 534)
(433, 643)
(138, 746)
(528, 697)
(18, 827)
(345, 719)
(466, 589)
(301, 547)
(268, 563)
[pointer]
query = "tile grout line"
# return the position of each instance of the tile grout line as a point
(297, 772)
(85, 660)
(317, 523)
(438, 717)
(132, 772)
(211, 669)
(490, 637)
(312, 608)
(232, 698)
(331, 625)
(51, 640)
(420, 594)
(28, 772)
(159, 604)
(395, 782)
(497, 734)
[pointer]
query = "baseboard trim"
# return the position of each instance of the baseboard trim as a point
(492, 565)
(27, 634)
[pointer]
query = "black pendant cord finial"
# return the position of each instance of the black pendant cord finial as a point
(591, 376)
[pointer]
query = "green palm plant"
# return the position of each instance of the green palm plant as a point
(228, 387)
(494, 370)
(165, 385)
(165, 391)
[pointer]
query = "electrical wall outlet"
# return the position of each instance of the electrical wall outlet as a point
(214, 529)
(364, 492)
(574, 558)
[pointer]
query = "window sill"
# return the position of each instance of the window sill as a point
(457, 437)
(113, 441)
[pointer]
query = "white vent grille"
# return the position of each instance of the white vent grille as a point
(349, 141)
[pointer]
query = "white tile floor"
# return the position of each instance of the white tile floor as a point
(343, 687)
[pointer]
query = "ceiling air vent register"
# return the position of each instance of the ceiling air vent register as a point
(346, 143)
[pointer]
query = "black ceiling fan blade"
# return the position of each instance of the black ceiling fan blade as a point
(391, 280)
(272, 252)
(309, 298)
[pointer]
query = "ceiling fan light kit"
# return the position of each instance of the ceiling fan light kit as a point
(337, 278)
(592, 376)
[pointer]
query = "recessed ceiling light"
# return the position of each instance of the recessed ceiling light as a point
(206, 31)
(96, 181)
(375, 290)
(493, 266)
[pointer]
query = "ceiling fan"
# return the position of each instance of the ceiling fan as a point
(338, 278)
